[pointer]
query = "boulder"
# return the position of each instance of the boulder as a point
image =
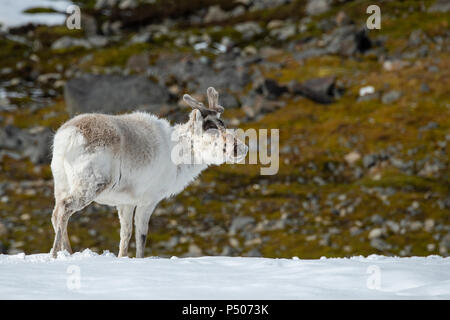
(33, 144)
(248, 29)
(215, 14)
(284, 32)
(70, 42)
(320, 90)
(440, 6)
(239, 223)
(67, 42)
(316, 7)
(347, 41)
(391, 96)
(113, 94)
(255, 105)
(271, 89)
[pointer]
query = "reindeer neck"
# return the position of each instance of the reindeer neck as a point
(185, 172)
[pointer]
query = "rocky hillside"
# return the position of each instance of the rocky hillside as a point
(364, 119)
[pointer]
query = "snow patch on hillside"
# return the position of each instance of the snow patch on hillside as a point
(12, 15)
(38, 276)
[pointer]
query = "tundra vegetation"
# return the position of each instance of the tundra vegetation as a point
(359, 174)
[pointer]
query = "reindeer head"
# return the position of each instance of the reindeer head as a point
(213, 143)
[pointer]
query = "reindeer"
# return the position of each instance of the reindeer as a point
(126, 161)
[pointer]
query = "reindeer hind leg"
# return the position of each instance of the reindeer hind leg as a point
(68, 206)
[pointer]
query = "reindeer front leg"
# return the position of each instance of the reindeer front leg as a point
(141, 219)
(126, 227)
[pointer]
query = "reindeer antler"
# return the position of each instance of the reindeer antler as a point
(213, 102)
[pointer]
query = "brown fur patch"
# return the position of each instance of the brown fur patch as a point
(97, 130)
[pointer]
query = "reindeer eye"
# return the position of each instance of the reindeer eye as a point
(209, 125)
(221, 122)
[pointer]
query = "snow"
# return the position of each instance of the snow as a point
(87, 275)
(366, 91)
(11, 12)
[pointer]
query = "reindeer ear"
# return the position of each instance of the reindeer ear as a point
(195, 115)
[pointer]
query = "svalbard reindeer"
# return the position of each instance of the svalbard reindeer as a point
(127, 161)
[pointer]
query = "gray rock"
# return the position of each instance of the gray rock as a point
(172, 242)
(377, 219)
(355, 231)
(433, 69)
(271, 89)
(3, 230)
(3, 186)
(423, 51)
(393, 226)
(34, 144)
(104, 4)
(111, 28)
(324, 86)
(216, 14)
(69, 42)
(228, 100)
(444, 245)
(368, 97)
(3, 248)
(429, 126)
(347, 41)
(440, 6)
(380, 244)
(316, 7)
(369, 160)
(414, 209)
(228, 251)
(239, 223)
(416, 37)
(358, 173)
(238, 11)
(194, 251)
(264, 4)
(254, 253)
(424, 88)
(98, 41)
(248, 29)
(326, 25)
(142, 37)
(376, 233)
(319, 181)
(254, 106)
(38, 146)
(391, 96)
(310, 53)
(284, 33)
(321, 90)
(89, 25)
(128, 4)
(113, 94)
(226, 74)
